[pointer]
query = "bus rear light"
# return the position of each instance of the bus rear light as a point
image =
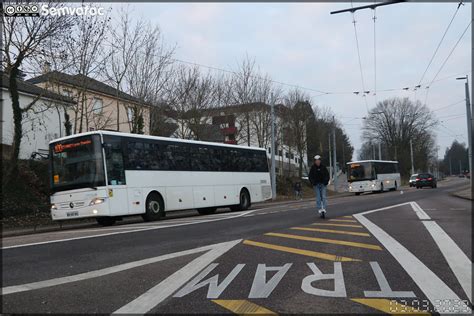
(97, 201)
(417, 179)
(429, 179)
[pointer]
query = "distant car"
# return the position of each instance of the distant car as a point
(412, 180)
(461, 175)
(425, 180)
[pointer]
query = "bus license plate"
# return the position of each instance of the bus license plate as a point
(72, 214)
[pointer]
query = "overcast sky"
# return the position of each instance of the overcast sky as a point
(303, 44)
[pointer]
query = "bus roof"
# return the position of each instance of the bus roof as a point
(153, 138)
(359, 161)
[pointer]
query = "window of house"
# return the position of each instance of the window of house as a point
(130, 114)
(67, 92)
(97, 105)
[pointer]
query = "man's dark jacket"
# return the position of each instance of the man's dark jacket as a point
(318, 175)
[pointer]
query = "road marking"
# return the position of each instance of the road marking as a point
(243, 307)
(343, 220)
(419, 211)
(433, 287)
(147, 301)
(348, 216)
(385, 289)
(106, 271)
(338, 225)
(126, 232)
(321, 230)
(456, 258)
(297, 251)
(389, 306)
(327, 241)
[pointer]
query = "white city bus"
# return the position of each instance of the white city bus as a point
(108, 175)
(373, 176)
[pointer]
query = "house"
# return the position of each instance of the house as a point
(42, 124)
(98, 105)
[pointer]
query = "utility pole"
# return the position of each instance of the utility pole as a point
(411, 157)
(460, 167)
(469, 125)
(273, 172)
(450, 168)
(330, 156)
(380, 151)
(334, 149)
(370, 6)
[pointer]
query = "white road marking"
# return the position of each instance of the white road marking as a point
(106, 271)
(260, 287)
(431, 285)
(456, 258)
(126, 232)
(147, 301)
(385, 289)
(419, 211)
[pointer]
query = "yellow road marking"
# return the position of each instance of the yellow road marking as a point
(348, 216)
(343, 232)
(243, 307)
(338, 225)
(343, 220)
(327, 241)
(389, 306)
(309, 253)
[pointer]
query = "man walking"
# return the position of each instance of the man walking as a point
(319, 178)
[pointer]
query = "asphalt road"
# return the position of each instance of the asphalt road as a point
(389, 252)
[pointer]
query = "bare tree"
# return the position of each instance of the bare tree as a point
(149, 74)
(395, 122)
(299, 112)
(85, 49)
(124, 41)
(25, 38)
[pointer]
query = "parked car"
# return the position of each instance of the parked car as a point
(412, 180)
(425, 180)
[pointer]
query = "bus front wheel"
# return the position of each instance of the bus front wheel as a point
(155, 207)
(244, 201)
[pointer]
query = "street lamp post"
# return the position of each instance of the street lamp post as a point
(273, 175)
(469, 124)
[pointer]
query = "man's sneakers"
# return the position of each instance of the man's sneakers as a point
(322, 213)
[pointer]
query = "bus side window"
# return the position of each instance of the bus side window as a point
(114, 161)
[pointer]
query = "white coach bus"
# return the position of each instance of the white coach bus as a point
(108, 175)
(373, 176)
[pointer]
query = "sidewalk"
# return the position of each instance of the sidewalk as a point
(464, 193)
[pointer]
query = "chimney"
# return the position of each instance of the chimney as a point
(46, 67)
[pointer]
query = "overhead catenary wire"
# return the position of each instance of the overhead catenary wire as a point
(439, 44)
(360, 61)
(375, 56)
(446, 59)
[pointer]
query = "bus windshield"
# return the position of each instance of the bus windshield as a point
(361, 171)
(77, 163)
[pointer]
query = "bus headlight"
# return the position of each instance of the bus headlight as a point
(97, 201)
(53, 207)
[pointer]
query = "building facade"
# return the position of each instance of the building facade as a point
(97, 105)
(43, 123)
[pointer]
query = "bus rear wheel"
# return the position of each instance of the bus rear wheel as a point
(357, 193)
(244, 201)
(105, 221)
(207, 210)
(155, 208)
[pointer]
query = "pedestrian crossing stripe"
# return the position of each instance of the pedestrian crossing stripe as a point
(338, 225)
(303, 252)
(243, 307)
(332, 231)
(389, 306)
(328, 241)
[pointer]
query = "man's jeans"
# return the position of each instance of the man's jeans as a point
(320, 190)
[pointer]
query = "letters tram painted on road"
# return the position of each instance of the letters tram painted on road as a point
(373, 176)
(109, 175)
